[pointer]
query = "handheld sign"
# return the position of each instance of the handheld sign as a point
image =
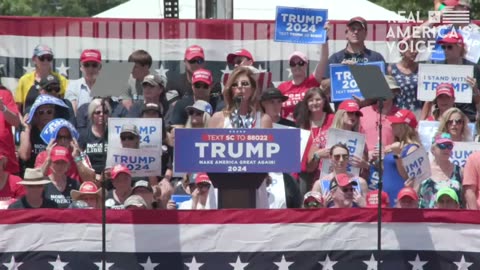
(237, 150)
(437, 52)
(472, 40)
(140, 162)
(355, 143)
(300, 25)
(431, 75)
(342, 82)
(45, 100)
(150, 131)
(461, 151)
(417, 165)
(304, 136)
(50, 131)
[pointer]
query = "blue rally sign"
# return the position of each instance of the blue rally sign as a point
(343, 84)
(300, 25)
(237, 150)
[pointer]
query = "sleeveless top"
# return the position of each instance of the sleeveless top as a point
(407, 99)
(429, 188)
(393, 182)
(257, 122)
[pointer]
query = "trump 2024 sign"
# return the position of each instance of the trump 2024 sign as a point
(237, 150)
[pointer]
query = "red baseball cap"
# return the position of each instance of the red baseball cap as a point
(299, 55)
(359, 20)
(342, 180)
(118, 169)
(313, 196)
(202, 75)
(60, 153)
(445, 89)
(350, 105)
(202, 178)
(403, 117)
(241, 52)
(407, 192)
(194, 51)
(372, 199)
(91, 55)
(452, 38)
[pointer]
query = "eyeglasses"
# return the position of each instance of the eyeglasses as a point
(127, 137)
(100, 112)
(197, 61)
(443, 146)
(343, 156)
(347, 189)
(455, 121)
(203, 185)
(242, 84)
(300, 64)
(312, 204)
(195, 113)
(47, 57)
(449, 47)
(60, 137)
(42, 112)
(200, 85)
(52, 89)
(90, 64)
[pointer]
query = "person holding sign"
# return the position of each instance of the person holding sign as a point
(444, 172)
(295, 89)
(406, 142)
(240, 103)
(455, 122)
(444, 100)
(355, 52)
(340, 156)
(316, 115)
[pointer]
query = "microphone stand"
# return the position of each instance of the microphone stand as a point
(104, 190)
(380, 186)
(238, 101)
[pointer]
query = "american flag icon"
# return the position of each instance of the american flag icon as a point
(456, 16)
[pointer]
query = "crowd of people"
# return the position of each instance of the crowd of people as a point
(67, 171)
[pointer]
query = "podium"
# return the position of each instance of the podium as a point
(237, 190)
(237, 161)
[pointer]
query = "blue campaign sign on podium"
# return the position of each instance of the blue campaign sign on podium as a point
(300, 25)
(237, 150)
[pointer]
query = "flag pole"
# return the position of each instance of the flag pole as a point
(380, 187)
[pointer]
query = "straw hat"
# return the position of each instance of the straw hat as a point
(87, 188)
(34, 177)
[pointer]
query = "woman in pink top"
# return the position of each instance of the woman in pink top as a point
(316, 115)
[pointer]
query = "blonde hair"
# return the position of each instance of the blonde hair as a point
(338, 121)
(409, 135)
(94, 104)
(443, 126)
(206, 118)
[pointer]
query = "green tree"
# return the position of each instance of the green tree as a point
(65, 8)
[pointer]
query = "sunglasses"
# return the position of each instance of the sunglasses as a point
(347, 189)
(200, 85)
(198, 61)
(92, 64)
(42, 112)
(444, 47)
(337, 157)
(312, 205)
(239, 60)
(195, 113)
(52, 89)
(67, 138)
(100, 112)
(242, 84)
(128, 137)
(300, 64)
(455, 121)
(203, 185)
(443, 146)
(48, 58)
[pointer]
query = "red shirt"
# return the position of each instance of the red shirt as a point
(72, 171)
(7, 144)
(11, 191)
(318, 136)
(295, 94)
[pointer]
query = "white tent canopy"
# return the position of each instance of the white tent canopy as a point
(255, 9)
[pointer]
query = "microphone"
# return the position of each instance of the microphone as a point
(237, 100)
